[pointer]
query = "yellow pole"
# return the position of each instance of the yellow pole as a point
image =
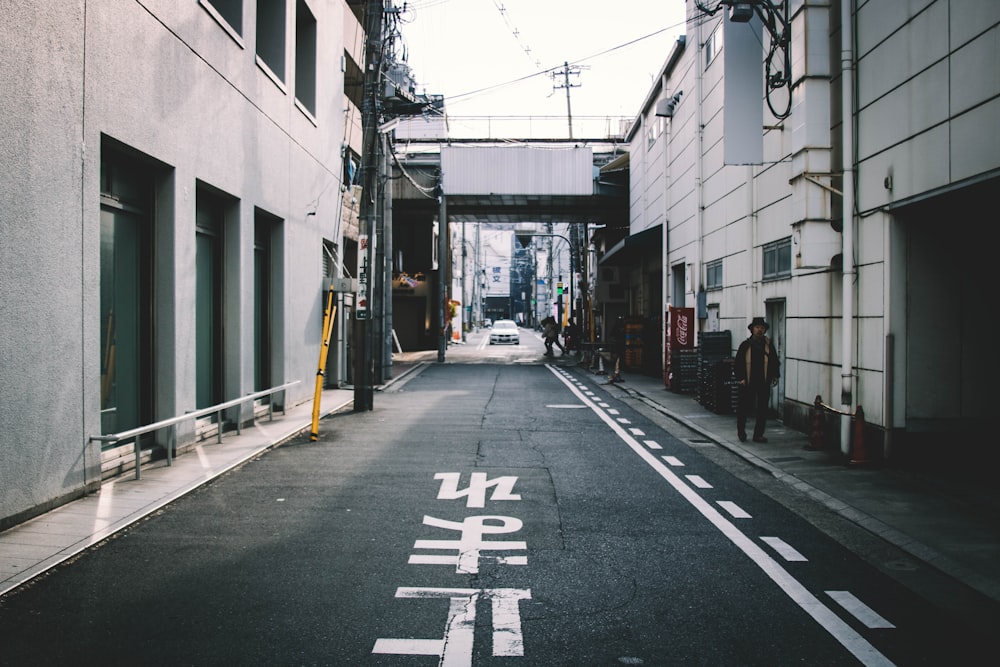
(328, 316)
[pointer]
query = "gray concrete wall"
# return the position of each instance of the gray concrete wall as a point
(168, 82)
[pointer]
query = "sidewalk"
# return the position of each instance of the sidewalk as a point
(29, 549)
(950, 524)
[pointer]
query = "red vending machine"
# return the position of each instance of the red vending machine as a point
(680, 336)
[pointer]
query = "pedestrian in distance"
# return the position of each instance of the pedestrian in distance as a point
(550, 334)
(756, 371)
(571, 335)
(616, 338)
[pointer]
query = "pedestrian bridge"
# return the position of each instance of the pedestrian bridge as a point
(519, 183)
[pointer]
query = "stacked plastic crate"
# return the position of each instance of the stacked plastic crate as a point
(715, 371)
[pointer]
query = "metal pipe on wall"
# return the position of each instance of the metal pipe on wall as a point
(848, 270)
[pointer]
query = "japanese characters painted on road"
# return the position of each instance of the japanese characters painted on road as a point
(456, 646)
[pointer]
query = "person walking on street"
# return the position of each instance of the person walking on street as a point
(756, 371)
(550, 333)
(617, 340)
(571, 336)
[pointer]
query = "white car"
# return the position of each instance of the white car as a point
(505, 331)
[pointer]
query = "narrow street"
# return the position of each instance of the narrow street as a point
(481, 514)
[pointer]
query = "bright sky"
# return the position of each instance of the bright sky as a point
(458, 47)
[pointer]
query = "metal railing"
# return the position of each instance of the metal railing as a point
(114, 438)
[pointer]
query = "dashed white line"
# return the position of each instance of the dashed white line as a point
(847, 636)
(698, 481)
(734, 510)
(784, 549)
(674, 461)
(859, 610)
(652, 444)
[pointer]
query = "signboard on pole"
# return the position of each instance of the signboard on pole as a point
(361, 304)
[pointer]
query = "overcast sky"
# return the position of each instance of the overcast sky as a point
(458, 47)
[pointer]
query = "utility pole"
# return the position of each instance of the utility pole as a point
(363, 330)
(565, 73)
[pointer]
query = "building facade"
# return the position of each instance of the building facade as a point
(172, 211)
(875, 152)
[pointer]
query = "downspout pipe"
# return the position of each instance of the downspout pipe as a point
(847, 130)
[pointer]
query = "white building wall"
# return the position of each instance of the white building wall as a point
(928, 119)
(165, 80)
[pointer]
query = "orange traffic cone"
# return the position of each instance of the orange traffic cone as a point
(859, 455)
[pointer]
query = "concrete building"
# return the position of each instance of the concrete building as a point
(841, 195)
(171, 209)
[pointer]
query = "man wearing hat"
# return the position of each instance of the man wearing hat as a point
(756, 371)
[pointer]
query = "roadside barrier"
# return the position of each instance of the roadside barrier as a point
(859, 452)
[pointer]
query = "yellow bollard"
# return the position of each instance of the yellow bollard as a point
(328, 315)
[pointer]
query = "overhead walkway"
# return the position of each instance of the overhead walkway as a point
(515, 183)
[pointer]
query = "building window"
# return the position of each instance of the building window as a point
(305, 57)
(778, 259)
(271, 36)
(228, 12)
(712, 45)
(713, 275)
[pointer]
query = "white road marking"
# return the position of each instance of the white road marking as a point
(565, 407)
(698, 481)
(636, 431)
(623, 420)
(456, 648)
(471, 545)
(857, 645)
(784, 549)
(613, 412)
(652, 444)
(674, 461)
(859, 610)
(734, 510)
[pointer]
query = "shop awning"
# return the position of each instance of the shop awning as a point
(647, 242)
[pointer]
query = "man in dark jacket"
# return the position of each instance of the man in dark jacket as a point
(756, 371)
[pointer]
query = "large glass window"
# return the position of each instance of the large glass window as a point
(126, 294)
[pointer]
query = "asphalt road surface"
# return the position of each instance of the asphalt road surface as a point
(514, 513)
